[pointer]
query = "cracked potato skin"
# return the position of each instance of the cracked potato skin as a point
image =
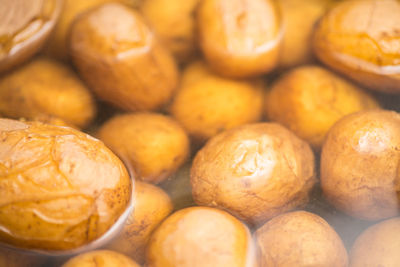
(255, 171)
(67, 186)
(101, 258)
(360, 173)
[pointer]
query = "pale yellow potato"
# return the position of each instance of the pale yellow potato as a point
(101, 258)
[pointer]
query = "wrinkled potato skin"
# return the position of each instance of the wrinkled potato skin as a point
(154, 144)
(174, 22)
(207, 104)
(46, 88)
(360, 39)
(255, 171)
(379, 245)
(118, 56)
(201, 236)
(47, 170)
(152, 205)
(240, 38)
(101, 258)
(11, 258)
(309, 100)
(360, 165)
(300, 239)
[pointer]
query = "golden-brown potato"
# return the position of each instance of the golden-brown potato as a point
(24, 28)
(300, 239)
(360, 172)
(46, 88)
(379, 245)
(299, 17)
(255, 171)
(152, 205)
(240, 38)
(11, 258)
(121, 60)
(360, 38)
(101, 258)
(154, 144)
(309, 100)
(198, 237)
(60, 188)
(207, 104)
(174, 22)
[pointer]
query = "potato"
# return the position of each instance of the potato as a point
(360, 165)
(174, 22)
(67, 186)
(155, 145)
(255, 171)
(379, 245)
(24, 28)
(11, 258)
(101, 258)
(207, 104)
(121, 60)
(152, 205)
(198, 237)
(361, 39)
(240, 38)
(45, 88)
(310, 99)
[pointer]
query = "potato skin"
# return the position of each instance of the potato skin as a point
(360, 39)
(379, 245)
(154, 144)
(300, 239)
(255, 171)
(360, 164)
(68, 186)
(310, 99)
(121, 60)
(101, 258)
(207, 104)
(152, 205)
(240, 38)
(201, 236)
(44, 88)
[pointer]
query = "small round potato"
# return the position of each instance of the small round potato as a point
(240, 38)
(300, 239)
(45, 88)
(101, 258)
(174, 22)
(255, 171)
(360, 39)
(309, 100)
(379, 245)
(121, 60)
(201, 236)
(60, 189)
(207, 104)
(360, 172)
(11, 258)
(152, 205)
(24, 28)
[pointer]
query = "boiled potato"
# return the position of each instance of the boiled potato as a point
(300, 239)
(121, 60)
(360, 39)
(255, 171)
(310, 99)
(198, 237)
(60, 188)
(46, 88)
(154, 145)
(240, 38)
(152, 205)
(379, 245)
(101, 258)
(11, 258)
(207, 104)
(360, 165)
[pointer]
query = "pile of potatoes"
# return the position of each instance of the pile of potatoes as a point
(199, 133)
